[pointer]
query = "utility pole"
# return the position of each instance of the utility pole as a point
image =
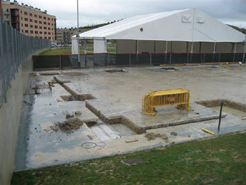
(78, 33)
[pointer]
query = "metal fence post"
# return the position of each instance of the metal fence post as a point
(170, 61)
(2, 62)
(130, 62)
(7, 56)
(150, 59)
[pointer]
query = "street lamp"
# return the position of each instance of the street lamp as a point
(78, 33)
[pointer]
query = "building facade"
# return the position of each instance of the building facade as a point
(29, 20)
(1, 10)
(64, 36)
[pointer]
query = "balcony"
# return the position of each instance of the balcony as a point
(6, 19)
(5, 13)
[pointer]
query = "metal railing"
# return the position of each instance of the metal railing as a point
(14, 49)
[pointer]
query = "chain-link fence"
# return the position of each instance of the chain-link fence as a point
(14, 49)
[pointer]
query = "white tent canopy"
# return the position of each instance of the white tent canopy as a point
(190, 25)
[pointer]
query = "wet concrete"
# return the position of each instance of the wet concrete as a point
(118, 102)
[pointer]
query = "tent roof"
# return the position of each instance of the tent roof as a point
(189, 25)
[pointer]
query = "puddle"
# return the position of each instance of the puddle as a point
(231, 111)
(113, 131)
(115, 70)
(170, 68)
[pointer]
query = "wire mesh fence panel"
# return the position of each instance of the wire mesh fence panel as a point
(89, 60)
(14, 49)
(111, 59)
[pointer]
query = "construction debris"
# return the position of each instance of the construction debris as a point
(68, 125)
(78, 113)
(174, 133)
(153, 136)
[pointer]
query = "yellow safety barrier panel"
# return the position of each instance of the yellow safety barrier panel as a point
(151, 100)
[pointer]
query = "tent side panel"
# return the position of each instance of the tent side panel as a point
(178, 47)
(224, 47)
(207, 47)
(74, 46)
(146, 46)
(126, 46)
(160, 47)
(100, 46)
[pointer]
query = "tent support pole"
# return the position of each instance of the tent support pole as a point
(85, 47)
(234, 51)
(187, 46)
(191, 51)
(166, 51)
(214, 50)
(137, 42)
(78, 33)
(200, 50)
(154, 46)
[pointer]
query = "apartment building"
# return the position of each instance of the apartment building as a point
(29, 20)
(64, 35)
(1, 10)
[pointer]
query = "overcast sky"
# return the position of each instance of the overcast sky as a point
(100, 11)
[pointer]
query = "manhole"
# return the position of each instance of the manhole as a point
(170, 68)
(88, 145)
(115, 70)
(133, 161)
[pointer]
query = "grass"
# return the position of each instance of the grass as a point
(67, 50)
(219, 160)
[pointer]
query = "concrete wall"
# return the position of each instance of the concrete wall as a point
(9, 121)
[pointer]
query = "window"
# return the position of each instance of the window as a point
(36, 27)
(31, 31)
(48, 18)
(35, 15)
(36, 21)
(45, 33)
(48, 33)
(30, 20)
(45, 28)
(40, 27)
(49, 38)
(45, 18)
(25, 13)
(48, 28)
(26, 19)
(44, 22)
(26, 31)
(48, 23)
(26, 25)
(40, 22)
(40, 17)
(36, 32)
(31, 26)
(30, 14)
(40, 32)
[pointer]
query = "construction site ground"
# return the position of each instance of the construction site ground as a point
(93, 113)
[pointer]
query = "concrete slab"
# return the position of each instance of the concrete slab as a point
(119, 100)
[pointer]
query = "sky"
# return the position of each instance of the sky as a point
(93, 12)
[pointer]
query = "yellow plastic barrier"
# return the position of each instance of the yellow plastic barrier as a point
(151, 100)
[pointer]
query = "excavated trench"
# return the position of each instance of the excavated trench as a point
(229, 106)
